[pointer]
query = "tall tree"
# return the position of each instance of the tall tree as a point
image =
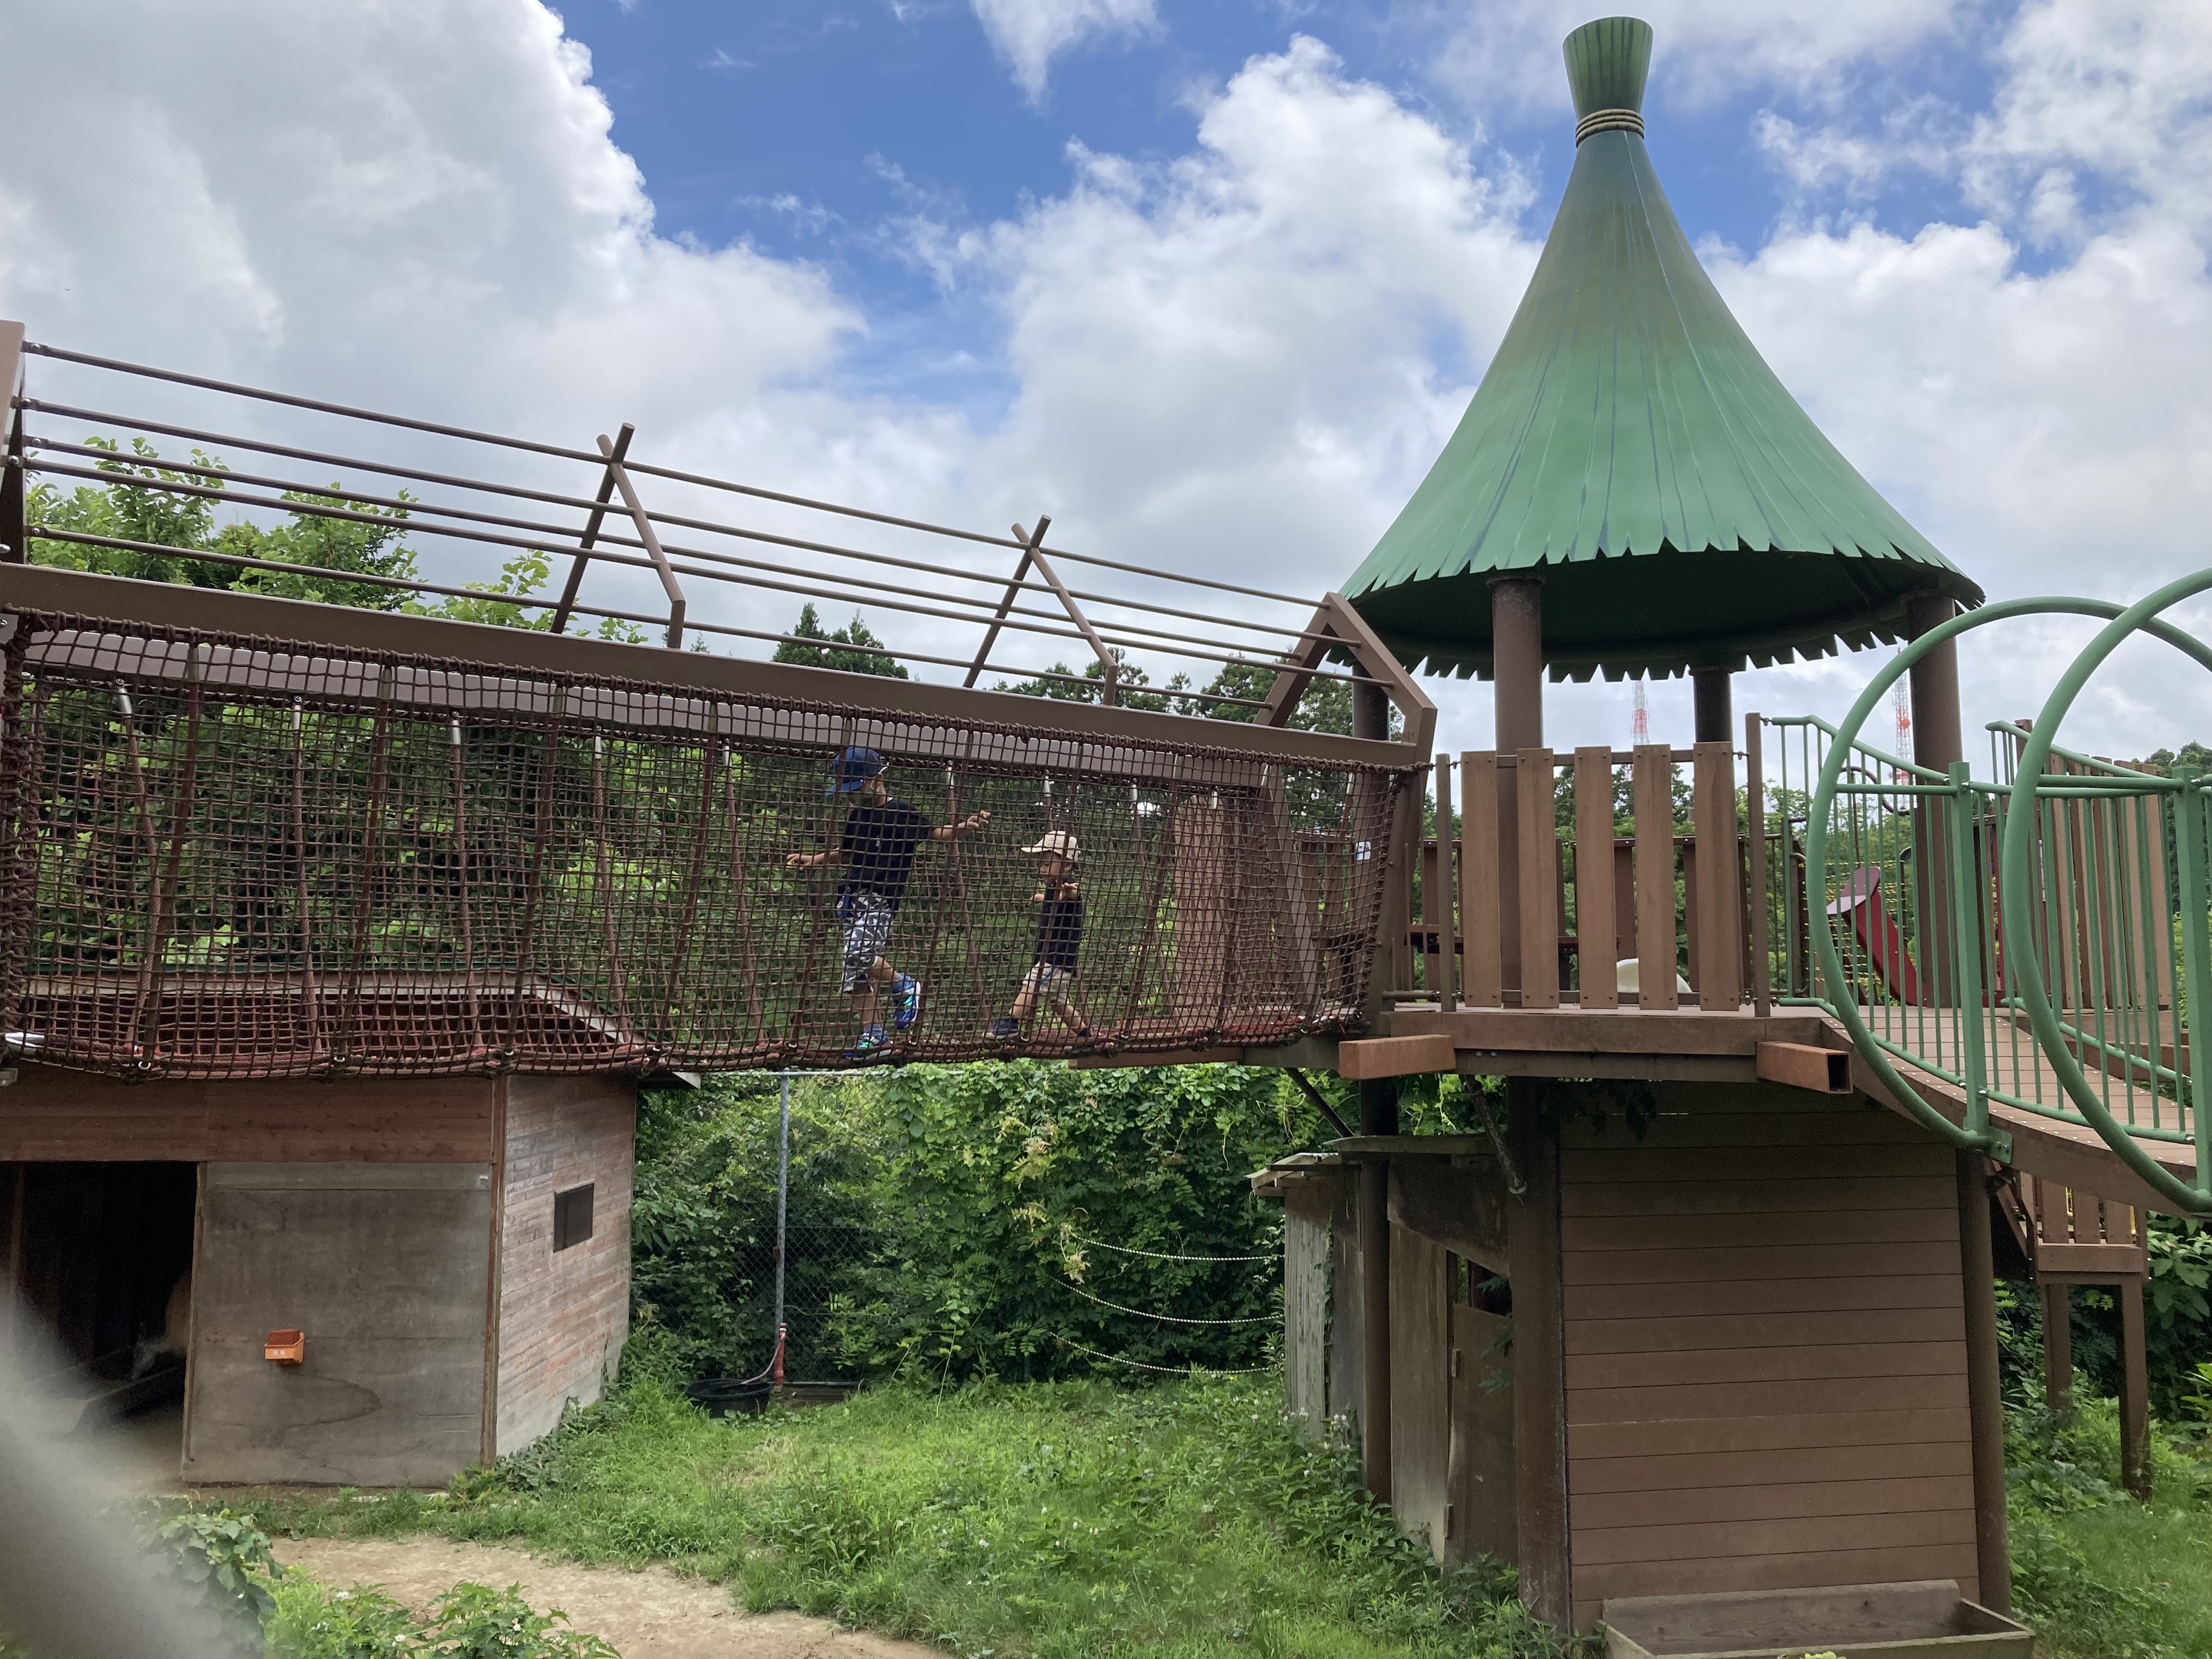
(848, 648)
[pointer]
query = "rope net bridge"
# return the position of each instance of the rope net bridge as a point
(248, 836)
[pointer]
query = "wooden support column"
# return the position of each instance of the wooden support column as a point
(1985, 1404)
(2135, 1390)
(1712, 693)
(2059, 1349)
(1378, 1115)
(1539, 1366)
(1516, 645)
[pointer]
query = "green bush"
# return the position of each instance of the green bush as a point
(990, 1214)
(312, 1622)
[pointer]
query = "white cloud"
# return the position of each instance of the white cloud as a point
(1029, 34)
(1236, 361)
(1504, 54)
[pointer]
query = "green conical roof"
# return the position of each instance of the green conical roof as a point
(1629, 444)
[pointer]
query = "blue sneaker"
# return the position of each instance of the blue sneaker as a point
(872, 1043)
(906, 1001)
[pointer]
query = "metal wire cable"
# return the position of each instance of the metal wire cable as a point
(1168, 1319)
(1162, 1255)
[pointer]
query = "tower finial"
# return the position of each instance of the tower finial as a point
(1607, 63)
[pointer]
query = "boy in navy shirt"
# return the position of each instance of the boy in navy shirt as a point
(877, 850)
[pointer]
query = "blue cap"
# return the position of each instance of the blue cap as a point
(854, 768)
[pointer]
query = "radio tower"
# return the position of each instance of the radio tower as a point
(1904, 700)
(1640, 727)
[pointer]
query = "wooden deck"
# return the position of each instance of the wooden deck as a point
(1721, 1046)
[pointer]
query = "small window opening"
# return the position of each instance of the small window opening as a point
(572, 1216)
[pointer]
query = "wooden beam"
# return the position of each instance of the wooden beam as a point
(2099, 1261)
(1161, 1057)
(669, 585)
(584, 543)
(1483, 972)
(315, 627)
(1535, 1258)
(1367, 1058)
(1803, 1065)
(1110, 692)
(1538, 843)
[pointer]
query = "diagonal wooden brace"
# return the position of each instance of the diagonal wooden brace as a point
(620, 474)
(1337, 626)
(560, 612)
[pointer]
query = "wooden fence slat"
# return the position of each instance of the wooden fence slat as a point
(1720, 909)
(1652, 777)
(1595, 942)
(1445, 979)
(1484, 974)
(1540, 882)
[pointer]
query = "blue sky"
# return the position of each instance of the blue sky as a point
(814, 131)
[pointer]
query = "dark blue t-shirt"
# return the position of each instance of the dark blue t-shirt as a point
(1059, 927)
(879, 848)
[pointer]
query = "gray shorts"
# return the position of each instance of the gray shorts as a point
(1053, 984)
(866, 918)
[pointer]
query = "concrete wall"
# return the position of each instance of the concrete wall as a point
(386, 1267)
(562, 1314)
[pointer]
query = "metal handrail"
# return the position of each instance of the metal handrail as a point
(2112, 894)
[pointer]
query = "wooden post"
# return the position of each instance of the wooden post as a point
(2059, 1349)
(1713, 705)
(1716, 919)
(1985, 1404)
(1594, 939)
(1652, 777)
(2135, 1390)
(1516, 642)
(15, 539)
(1540, 882)
(1762, 942)
(1479, 776)
(1540, 1369)
(1447, 890)
(1378, 1115)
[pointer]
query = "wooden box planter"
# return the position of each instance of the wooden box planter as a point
(1926, 1620)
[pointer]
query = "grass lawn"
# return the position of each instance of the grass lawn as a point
(1048, 1519)
(1190, 1519)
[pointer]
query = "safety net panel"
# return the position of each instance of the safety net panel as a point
(230, 858)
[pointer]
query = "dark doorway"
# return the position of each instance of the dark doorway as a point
(100, 1255)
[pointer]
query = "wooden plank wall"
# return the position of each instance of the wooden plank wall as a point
(1307, 1206)
(1765, 1341)
(57, 1117)
(563, 1315)
(1420, 1387)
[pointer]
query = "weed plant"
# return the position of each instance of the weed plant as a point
(1047, 1519)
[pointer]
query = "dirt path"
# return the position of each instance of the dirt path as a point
(648, 1614)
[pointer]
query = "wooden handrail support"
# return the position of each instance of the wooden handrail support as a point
(1033, 557)
(584, 543)
(644, 532)
(1337, 626)
(15, 525)
(1367, 1058)
(1803, 1065)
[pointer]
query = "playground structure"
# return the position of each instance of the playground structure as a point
(370, 920)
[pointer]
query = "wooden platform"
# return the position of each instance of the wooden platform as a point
(1721, 1046)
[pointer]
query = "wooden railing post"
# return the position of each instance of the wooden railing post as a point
(1538, 878)
(1478, 876)
(1595, 942)
(1652, 779)
(1446, 889)
(1719, 918)
(1762, 959)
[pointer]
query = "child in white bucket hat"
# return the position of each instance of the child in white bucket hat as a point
(1051, 977)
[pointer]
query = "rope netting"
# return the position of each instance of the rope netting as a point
(227, 857)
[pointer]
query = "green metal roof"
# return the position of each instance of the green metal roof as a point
(1629, 444)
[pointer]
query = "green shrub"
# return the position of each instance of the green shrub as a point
(219, 1559)
(471, 1621)
(313, 1622)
